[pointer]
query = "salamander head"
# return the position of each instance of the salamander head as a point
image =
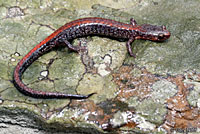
(153, 32)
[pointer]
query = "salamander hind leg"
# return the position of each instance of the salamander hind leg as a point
(128, 46)
(77, 48)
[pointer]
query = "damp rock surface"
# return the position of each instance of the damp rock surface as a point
(156, 92)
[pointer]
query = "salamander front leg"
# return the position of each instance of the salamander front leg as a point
(74, 48)
(128, 46)
(133, 22)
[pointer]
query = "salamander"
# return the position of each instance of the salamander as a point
(81, 28)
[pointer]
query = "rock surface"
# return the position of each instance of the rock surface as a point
(157, 92)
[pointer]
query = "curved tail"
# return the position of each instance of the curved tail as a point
(24, 63)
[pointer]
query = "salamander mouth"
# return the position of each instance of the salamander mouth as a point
(164, 36)
(167, 35)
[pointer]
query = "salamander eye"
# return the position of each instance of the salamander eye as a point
(164, 27)
(160, 36)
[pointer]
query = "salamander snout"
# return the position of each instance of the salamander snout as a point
(163, 35)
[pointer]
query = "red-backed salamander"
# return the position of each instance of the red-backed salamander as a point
(80, 28)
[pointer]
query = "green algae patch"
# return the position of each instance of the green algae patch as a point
(4, 84)
(102, 86)
(153, 108)
(66, 72)
(15, 106)
(99, 48)
(194, 97)
(3, 11)
(32, 74)
(105, 11)
(3, 71)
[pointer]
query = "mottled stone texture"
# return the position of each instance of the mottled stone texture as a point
(157, 92)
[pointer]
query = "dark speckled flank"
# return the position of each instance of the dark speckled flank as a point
(97, 29)
(80, 28)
